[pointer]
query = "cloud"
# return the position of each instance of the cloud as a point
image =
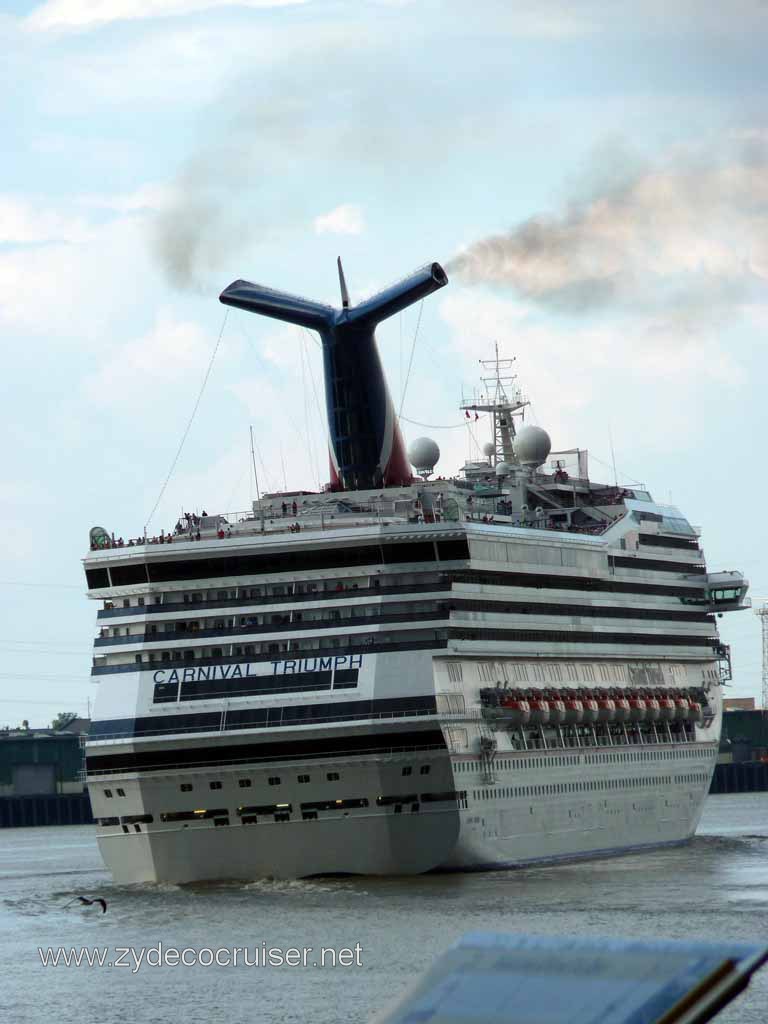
(658, 369)
(25, 220)
(140, 370)
(146, 197)
(88, 14)
(689, 234)
(76, 287)
(346, 219)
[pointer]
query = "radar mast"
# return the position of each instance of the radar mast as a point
(504, 400)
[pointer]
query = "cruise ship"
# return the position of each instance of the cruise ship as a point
(404, 672)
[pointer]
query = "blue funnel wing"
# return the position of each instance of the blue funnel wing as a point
(399, 296)
(255, 298)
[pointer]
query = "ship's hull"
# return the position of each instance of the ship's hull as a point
(539, 808)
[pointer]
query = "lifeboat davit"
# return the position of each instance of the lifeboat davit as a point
(637, 709)
(515, 711)
(557, 712)
(606, 709)
(682, 707)
(623, 709)
(539, 711)
(591, 710)
(574, 711)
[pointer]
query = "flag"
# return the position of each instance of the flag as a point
(466, 413)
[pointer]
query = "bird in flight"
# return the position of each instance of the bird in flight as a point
(88, 903)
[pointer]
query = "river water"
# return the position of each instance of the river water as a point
(716, 887)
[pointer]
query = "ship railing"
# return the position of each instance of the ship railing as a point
(540, 523)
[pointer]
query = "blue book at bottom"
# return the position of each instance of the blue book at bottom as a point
(486, 978)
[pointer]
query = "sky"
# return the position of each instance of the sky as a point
(594, 176)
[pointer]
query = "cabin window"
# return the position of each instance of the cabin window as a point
(186, 787)
(303, 778)
(274, 780)
(215, 785)
(108, 793)
(244, 783)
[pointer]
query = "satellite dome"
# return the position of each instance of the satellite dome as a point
(503, 469)
(532, 446)
(423, 454)
(489, 449)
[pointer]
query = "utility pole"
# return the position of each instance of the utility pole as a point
(762, 612)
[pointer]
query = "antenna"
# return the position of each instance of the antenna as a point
(255, 474)
(613, 457)
(504, 400)
(342, 284)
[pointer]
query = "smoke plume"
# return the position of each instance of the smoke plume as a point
(689, 234)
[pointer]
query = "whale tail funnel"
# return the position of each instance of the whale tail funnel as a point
(366, 447)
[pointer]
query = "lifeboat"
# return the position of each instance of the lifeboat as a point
(591, 711)
(515, 711)
(557, 712)
(623, 710)
(652, 709)
(539, 711)
(695, 712)
(574, 711)
(667, 709)
(606, 709)
(682, 708)
(637, 709)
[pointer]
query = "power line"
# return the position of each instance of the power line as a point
(47, 703)
(43, 678)
(51, 586)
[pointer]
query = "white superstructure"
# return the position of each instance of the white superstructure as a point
(509, 666)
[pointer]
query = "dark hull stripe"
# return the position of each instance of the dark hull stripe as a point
(265, 753)
(339, 712)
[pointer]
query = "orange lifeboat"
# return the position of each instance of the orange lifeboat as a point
(515, 710)
(695, 712)
(574, 711)
(623, 710)
(606, 709)
(682, 707)
(667, 709)
(591, 710)
(652, 709)
(539, 711)
(557, 711)
(637, 709)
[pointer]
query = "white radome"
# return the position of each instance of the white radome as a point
(503, 469)
(489, 449)
(423, 454)
(532, 446)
